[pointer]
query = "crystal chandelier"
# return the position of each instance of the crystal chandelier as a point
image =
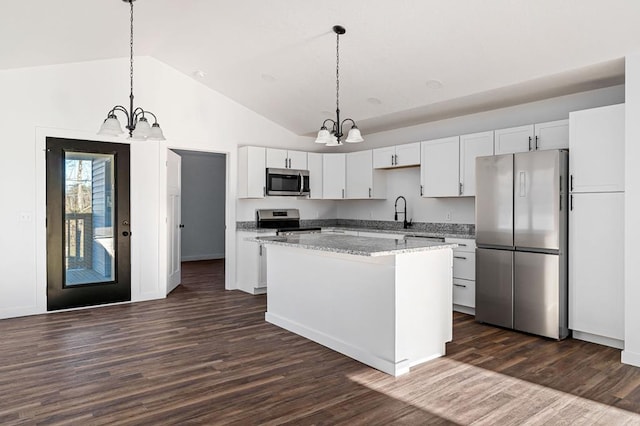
(334, 137)
(137, 122)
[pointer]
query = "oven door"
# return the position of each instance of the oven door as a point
(287, 182)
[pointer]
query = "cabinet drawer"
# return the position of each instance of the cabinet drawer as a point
(464, 293)
(464, 265)
(464, 244)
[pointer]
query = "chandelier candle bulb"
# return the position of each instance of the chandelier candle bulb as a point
(334, 137)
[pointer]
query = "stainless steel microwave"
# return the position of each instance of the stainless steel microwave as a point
(287, 182)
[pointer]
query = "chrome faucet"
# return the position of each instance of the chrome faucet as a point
(405, 224)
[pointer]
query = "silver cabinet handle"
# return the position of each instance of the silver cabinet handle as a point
(421, 190)
(460, 285)
(529, 143)
(571, 182)
(369, 192)
(460, 257)
(396, 159)
(264, 191)
(460, 185)
(536, 142)
(342, 192)
(462, 245)
(392, 163)
(260, 249)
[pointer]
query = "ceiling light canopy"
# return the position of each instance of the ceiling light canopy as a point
(333, 137)
(137, 122)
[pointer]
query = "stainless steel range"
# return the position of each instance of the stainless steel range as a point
(284, 221)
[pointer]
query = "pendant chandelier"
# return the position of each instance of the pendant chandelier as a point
(334, 137)
(137, 122)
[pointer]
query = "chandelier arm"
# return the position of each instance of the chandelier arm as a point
(344, 121)
(155, 119)
(119, 108)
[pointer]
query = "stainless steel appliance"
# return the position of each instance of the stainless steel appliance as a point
(521, 235)
(284, 221)
(287, 182)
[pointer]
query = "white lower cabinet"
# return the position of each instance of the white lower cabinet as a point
(596, 268)
(464, 275)
(251, 262)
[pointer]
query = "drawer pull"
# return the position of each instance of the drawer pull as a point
(460, 257)
(462, 245)
(460, 285)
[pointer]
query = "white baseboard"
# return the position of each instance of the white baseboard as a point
(365, 357)
(600, 340)
(631, 358)
(464, 309)
(194, 258)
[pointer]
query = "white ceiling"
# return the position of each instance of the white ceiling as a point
(277, 57)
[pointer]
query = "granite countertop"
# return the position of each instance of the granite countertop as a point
(349, 244)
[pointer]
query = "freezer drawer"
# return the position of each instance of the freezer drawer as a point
(494, 200)
(537, 298)
(494, 287)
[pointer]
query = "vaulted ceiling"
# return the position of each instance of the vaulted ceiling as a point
(402, 62)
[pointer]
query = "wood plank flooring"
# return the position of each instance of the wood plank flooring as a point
(206, 356)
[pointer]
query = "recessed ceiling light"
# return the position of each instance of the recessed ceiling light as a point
(374, 101)
(268, 78)
(434, 84)
(199, 73)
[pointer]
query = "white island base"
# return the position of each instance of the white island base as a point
(390, 312)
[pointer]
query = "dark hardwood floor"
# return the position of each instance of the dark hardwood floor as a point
(206, 356)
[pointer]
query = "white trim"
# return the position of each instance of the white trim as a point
(631, 358)
(210, 256)
(600, 340)
(464, 309)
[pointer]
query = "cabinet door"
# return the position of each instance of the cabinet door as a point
(383, 158)
(408, 154)
(439, 167)
(359, 174)
(333, 176)
(514, 139)
(314, 161)
(277, 158)
(596, 142)
(297, 160)
(472, 146)
(251, 172)
(552, 135)
(596, 264)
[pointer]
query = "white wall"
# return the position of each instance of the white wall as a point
(631, 353)
(406, 182)
(203, 205)
(71, 100)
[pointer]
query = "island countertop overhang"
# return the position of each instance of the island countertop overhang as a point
(354, 245)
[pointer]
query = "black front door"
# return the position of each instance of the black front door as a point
(88, 244)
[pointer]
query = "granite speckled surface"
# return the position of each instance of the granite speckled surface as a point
(452, 230)
(349, 244)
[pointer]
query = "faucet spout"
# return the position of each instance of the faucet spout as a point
(405, 224)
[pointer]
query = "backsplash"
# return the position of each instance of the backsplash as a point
(436, 228)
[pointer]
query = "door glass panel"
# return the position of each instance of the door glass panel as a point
(89, 218)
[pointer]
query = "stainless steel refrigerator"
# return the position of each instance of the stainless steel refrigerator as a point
(521, 235)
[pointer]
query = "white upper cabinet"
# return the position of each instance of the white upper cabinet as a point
(514, 139)
(472, 146)
(397, 156)
(551, 135)
(333, 176)
(596, 163)
(532, 137)
(362, 180)
(448, 167)
(439, 167)
(251, 172)
(286, 159)
(314, 161)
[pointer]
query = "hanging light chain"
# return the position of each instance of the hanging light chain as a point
(337, 71)
(131, 50)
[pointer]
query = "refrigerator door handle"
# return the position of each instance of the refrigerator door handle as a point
(571, 203)
(523, 189)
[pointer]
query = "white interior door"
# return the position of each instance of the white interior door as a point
(174, 217)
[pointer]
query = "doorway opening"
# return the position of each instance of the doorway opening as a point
(87, 202)
(196, 208)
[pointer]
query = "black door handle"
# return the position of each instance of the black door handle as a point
(181, 225)
(125, 233)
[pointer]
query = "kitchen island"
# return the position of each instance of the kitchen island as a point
(384, 302)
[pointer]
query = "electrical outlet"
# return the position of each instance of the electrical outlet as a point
(448, 216)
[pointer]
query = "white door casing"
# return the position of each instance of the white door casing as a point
(174, 217)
